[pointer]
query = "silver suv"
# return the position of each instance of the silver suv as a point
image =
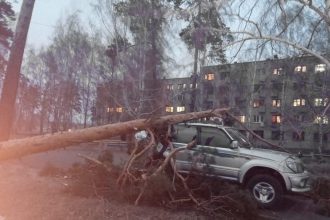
(224, 152)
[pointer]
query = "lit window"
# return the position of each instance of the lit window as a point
(300, 69)
(278, 71)
(257, 103)
(320, 102)
(184, 85)
(320, 68)
(299, 102)
(276, 103)
(209, 76)
(321, 120)
(276, 119)
(170, 87)
(119, 109)
(276, 135)
(180, 109)
(191, 85)
(109, 109)
(169, 109)
(242, 118)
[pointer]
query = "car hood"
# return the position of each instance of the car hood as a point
(265, 153)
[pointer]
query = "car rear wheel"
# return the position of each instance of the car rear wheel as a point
(266, 190)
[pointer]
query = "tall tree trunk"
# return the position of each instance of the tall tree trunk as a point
(195, 76)
(194, 82)
(10, 86)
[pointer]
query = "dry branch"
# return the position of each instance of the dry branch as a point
(99, 163)
(254, 134)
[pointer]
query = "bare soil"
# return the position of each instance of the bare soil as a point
(25, 195)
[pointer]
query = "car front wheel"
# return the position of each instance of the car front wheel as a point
(266, 190)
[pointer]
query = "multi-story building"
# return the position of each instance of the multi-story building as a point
(282, 100)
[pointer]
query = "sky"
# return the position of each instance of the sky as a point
(46, 14)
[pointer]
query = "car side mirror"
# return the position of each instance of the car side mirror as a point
(234, 144)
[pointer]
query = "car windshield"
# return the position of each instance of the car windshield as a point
(239, 137)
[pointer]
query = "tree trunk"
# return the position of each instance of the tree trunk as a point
(10, 85)
(26, 146)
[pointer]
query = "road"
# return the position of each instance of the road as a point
(293, 207)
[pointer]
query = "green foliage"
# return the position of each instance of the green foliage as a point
(143, 61)
(119, 44)
(7, 16)
(206, 28)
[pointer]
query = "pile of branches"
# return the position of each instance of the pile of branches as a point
(155, 178)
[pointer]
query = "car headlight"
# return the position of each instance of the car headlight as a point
(295, 166)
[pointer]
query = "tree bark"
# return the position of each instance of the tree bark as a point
(10, 85)
(21, 147)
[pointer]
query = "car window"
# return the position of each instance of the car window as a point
(214, 137)
(184, 134)
(237, 136)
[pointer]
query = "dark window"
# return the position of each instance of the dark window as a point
(298, 136)
(214, 137)
(300, 117)
(277, 86)
(276, 135)
(239, 101)
(261, 70)
(181, 98)
(224, 102)
(209, 104)
(223, 90)
(258, 118)
(224, 75)
(316, 137)
(210, 90)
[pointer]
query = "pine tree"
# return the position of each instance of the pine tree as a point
(7, 16)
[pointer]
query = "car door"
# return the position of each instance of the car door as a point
(189, 159)
(221, 159)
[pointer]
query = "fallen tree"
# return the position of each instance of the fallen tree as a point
(21, 147)
(145, 180)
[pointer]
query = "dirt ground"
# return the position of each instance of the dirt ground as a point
(25, 195)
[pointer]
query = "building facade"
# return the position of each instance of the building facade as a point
(283, 100)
